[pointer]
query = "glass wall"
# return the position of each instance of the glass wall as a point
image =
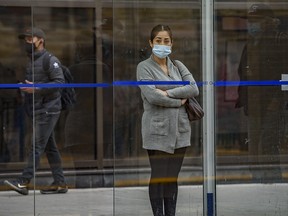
(251, 107)
(80, 36)
(106, 168)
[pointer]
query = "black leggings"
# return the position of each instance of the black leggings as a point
(165, 169)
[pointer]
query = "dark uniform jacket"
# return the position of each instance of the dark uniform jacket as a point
(46, 100)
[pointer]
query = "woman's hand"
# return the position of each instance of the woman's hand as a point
(183, 101)
(162, 92)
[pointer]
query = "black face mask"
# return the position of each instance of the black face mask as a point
(29, 47)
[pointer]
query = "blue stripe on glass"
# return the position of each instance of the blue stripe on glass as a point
(133, 83)
(138, 83)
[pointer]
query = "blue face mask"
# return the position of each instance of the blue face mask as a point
(254, 29)
(161, 51)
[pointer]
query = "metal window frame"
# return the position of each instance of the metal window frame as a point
(209, 185)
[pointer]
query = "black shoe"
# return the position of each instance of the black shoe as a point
(18, 185)
(54, 188)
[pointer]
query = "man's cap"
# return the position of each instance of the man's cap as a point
(37, 32)
(260, 10)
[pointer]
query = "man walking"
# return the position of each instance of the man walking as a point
(44, 105)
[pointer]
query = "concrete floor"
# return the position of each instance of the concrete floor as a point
(232, 200)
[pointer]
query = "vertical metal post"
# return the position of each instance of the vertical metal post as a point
(33, 119)
(99, 91)
(208, 104)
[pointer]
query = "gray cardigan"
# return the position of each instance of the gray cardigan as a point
(165, 124)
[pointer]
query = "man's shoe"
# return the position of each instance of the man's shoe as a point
(54, 188)
(18, 185)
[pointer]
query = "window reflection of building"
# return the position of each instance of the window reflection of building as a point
(80, 120)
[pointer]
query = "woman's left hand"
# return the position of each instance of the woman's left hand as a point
(183, 101)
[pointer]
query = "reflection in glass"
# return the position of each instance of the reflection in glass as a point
(264, 59)
(43, 107)
(251, 117)
(71, 36)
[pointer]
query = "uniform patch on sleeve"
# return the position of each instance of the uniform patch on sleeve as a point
(56, 65)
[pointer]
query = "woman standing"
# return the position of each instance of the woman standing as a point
(166, 129)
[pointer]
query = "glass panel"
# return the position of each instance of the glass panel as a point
(15, 130)
(75, 34)
(84, 132)
(133, 23)
(251, 116)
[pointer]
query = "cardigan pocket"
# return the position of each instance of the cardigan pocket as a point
(159, 126)
(184, 124)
